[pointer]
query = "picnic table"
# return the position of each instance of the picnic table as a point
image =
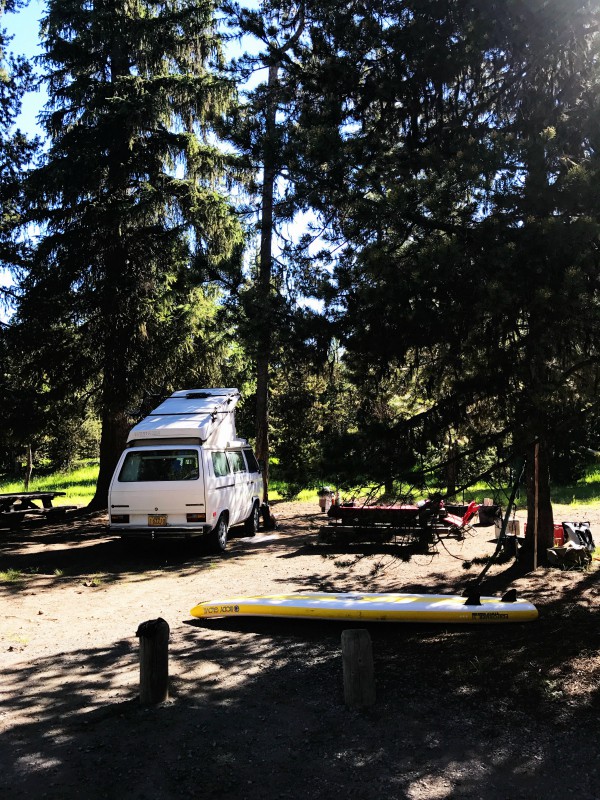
(419, 522)
(381, 522)
(15, 506)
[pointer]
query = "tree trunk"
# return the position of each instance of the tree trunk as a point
(115, 427)
(118, 310)
(537, 427)
(264, 284)
(451, 466)
(28, 467)
(262, 420)
(539, 506)
(119, 337)
(265, 288)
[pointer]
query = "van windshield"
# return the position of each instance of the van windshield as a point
(160, 465)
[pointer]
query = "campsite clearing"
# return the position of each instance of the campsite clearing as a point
(256, 707)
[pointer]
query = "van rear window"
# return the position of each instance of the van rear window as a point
(159, 465)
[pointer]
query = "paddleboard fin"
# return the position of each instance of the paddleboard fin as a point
(510, 596)
(473, 600)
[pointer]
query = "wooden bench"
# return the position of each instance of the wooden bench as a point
(15, 507)
(57, 511)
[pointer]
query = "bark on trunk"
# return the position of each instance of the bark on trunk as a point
(28, 468)
(537, 482)
(119, 348)
(118, 308)
(270, 172)
(262, 420)
(264, 282)
(115, 427)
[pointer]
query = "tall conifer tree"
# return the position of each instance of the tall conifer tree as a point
(128, 198)
(455, 147)
(261, 131)
(16, 150)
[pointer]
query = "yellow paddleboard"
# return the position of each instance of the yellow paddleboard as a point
(372, 607)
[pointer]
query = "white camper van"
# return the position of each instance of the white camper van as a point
(184, 472)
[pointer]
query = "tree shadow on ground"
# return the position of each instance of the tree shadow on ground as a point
(257, 712)
(60, 555)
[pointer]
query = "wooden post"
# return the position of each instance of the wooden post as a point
(154, 661)
(357, 660)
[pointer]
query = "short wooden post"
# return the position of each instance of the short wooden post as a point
(154, 661)
(359, 675)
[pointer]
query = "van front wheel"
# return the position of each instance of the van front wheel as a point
(219, 535)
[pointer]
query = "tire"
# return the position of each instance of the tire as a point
(128, 545)
(219, 535)
(253, 521)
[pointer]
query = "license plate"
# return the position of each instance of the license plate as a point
(157, 519)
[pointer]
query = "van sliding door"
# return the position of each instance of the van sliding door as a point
(243, 486)
(224, 487)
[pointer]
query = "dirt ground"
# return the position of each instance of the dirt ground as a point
(256, 707)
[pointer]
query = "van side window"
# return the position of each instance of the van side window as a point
(220, 465)
(251, 461)
(236, 459)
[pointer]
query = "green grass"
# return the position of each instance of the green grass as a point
(585, 492)
(79, 485)
(276, 492)
(10, 575)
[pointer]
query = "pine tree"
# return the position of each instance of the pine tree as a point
(129, 200)
(16, 151)
(260, 130)
(454, 147)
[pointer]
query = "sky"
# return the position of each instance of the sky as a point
(24, 26)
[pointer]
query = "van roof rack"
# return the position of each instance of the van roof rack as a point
(203, 413)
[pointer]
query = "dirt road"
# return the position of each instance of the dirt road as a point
(256, 708)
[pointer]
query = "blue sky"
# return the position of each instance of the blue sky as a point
(24, 26)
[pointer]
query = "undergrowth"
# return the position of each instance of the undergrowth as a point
(79, 486)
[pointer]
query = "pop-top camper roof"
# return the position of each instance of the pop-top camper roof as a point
(190, 414)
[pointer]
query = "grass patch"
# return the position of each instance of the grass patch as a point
(96, 580)
(11, 576)
(15, 575)
(79, 485)
(585, 491)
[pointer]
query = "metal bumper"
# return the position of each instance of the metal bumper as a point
(167, 532)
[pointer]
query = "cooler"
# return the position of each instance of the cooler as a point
(559, 534)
